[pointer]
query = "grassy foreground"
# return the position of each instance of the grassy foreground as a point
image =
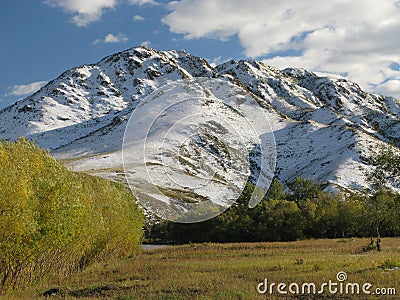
(232, 271)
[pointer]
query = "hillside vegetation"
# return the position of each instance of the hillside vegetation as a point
(53, 221)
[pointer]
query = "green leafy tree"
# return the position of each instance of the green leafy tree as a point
(303, 189)
(387, 167)
(382, 207)
(276, 190)
(382, 213)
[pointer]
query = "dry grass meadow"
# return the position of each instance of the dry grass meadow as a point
(230, 271)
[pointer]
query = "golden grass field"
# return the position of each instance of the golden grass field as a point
(231, 271)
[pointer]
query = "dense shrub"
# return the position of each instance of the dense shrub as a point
(53, 221)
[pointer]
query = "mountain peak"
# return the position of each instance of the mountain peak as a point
(324, 127)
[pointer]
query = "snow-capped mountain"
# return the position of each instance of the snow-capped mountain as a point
(325, 128)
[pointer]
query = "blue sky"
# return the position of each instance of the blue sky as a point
(358, 39)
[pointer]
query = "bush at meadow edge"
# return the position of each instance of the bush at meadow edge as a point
(53, 221)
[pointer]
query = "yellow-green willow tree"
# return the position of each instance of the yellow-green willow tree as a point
(53, 221)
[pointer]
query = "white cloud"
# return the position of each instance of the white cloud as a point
(25, 89)
(119, 38)
(112, 39)
(143, 2)
(85, 11)
(137, 18)
(217, 61)
(88, 11)
(390, 87)
(145, 43)
(358, 38)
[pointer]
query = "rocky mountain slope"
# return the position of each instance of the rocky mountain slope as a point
(325, 128)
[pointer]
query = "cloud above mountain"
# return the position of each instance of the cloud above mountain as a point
(25, 89)
(112, 39)
(353, 38)
(84, 11)
(87, 11)
(137, 18)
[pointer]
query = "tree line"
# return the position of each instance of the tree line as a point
(304, 211)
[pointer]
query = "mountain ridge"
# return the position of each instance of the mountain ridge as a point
(325, 128)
